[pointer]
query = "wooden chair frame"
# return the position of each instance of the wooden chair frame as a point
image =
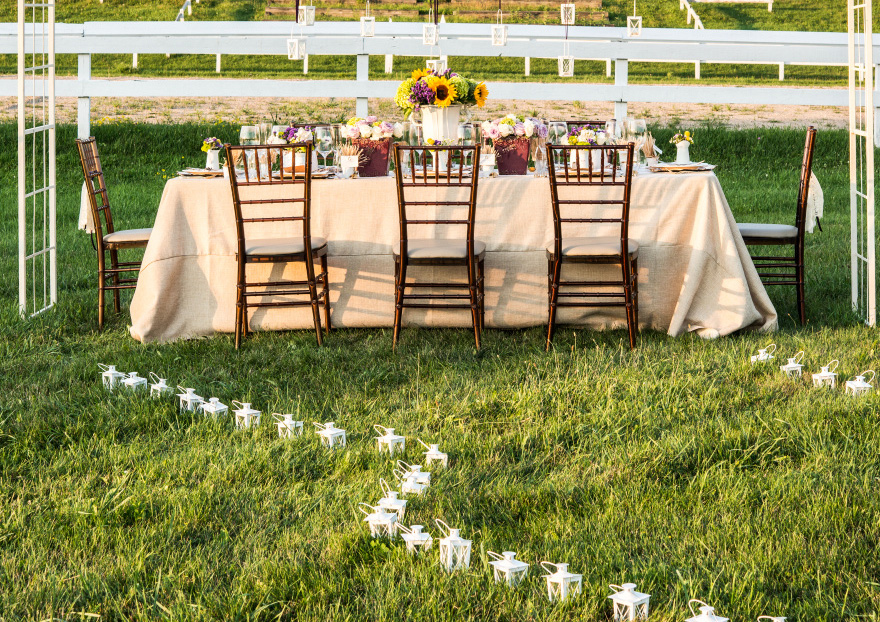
(419, 176)
(118, 274)
(583, 175)
(279, 177)
(789, 269)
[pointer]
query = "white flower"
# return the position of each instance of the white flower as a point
(506, 130)
(366, 131)
(398, 130)
(583, 137)
(486, 126)
(600, 137)
(529, 127)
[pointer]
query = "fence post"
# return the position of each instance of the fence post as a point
(218, 63)
(84, 104)
(134, 60)
(697, 70)
(363, 75)
(621, 79)
(389, 63)
(305, 64)
(781, 72)
(608, 68)
(528, 70)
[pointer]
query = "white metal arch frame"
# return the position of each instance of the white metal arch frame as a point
(37, 249)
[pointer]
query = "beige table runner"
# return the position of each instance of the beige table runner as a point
(695, 273)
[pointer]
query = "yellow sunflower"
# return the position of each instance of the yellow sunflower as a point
(419, 73)
(444, 92)
(481, 93)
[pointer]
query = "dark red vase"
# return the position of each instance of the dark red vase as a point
(512, 155)
(374, 161)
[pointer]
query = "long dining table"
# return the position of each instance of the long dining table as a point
(694, 272)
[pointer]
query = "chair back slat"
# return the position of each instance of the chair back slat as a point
(576, 167)
(804, 187)
(418, 168)
(96, 187)
(270, 167)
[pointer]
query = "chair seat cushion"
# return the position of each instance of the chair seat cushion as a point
(281, 246)
(761, 230)
(439, 249)
(601, 246)
(128, 236)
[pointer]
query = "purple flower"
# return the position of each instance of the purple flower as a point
(386, 128)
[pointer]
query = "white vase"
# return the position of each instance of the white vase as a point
(213, 161)
(683, 152)
(299, 159)
(440, 123)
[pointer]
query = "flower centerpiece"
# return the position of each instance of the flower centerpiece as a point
(439, 98)
(295, 135)
(373, 137)
(511, 137)
(683, 144)
(586, 135)
(212, 146)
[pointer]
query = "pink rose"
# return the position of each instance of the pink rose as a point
(519, 129)
(493, 132)
(371, 119)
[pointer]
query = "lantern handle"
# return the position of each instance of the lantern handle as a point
(154, 377)
(835, 362)
(495, 555)
(869, 371)
(547, 570)
(424, 444)
(773, 618)
(405, 529)
(443, 526)
(240, 404)
(104, 367)
(696, 600)
(278, 417)
(798, 357)
(374, 510)
(381, 429)
(320, 426)
(403, 466)
(399, 474)
(384, 486)
(615, 588)
(769, 351)
(182, 389)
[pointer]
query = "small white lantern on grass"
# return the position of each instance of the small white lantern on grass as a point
(188, 398)
(455, 551)
(793, 368)
(331, 436)
(408, 484)
(414, 471)
(434, 454)
(296, 48)
(389, 440)
(560, 582)
(390, 502)
(134, 382)
(826, 376)
(159, 388)
(771, 618)
(214, 407)
(567, 14)
(245, 416)
(707, 613)
(368, 23)
(306, 15)
(628, 604)
(764, 354)
(859, 386)
(287, 427)
(109, 376)
(416, 540)
(499, 31)
(507, 569)
(381, 523)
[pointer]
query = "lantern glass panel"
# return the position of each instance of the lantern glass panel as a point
(430, 34)
(368, 26)
(499, 34)
(306, 15)
(296, 49)
(567, 14)
(634, 26)
(566, 66)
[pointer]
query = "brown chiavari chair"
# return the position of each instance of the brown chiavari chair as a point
(287, 188)
(106, 239)
(571, 181)
(413, 179)
(593, 125)
(785, 269)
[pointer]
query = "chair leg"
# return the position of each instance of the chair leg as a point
(326, 294)
(313, 296)
(100, 299)
(628, 294)
(399, 286)
(482, 293)
(239, 320)
(635, 281)
(114, 263)
(555, 267)
(801, 293)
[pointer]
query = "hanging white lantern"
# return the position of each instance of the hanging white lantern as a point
(565, 62)
(859, 386)
(793, 367)
(389, 440)
(416, 540)
(414, 471)
(707, 613)
(368, 23)
(390, 502)
(381, 523)
(287, 427)
(214, 407)
(634, 26)
(245, 416)
(306, 15)
(764, 354)
(826, 376)
(455, 551)
(437, 65)
(628, 604)
(560, 582)
(499, 31)
(159, 387)
(296, 48)
(507, 569)
(566, 14)
(331, 436)
(434, 454)
(188, 399)
(133, 382)
(109, 376)
(430, 34)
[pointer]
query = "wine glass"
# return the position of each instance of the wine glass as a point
(637, 130)
(336, 134)
(558, 133)
(323, 142)
(466, 135)
(248, 135)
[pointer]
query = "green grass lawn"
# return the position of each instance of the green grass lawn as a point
(677, 466)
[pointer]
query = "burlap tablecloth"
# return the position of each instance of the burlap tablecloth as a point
(695, 273)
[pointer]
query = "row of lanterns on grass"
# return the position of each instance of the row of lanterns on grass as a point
(825, 377)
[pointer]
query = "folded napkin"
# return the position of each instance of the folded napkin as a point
(86, 222)
(815, 203)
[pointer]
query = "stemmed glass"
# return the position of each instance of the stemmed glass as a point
(323, 142)
(466, 136)
(413, 134)
(558, 132)
(637, 130)
(336, 134)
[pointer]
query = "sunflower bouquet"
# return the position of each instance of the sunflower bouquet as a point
(430, 88)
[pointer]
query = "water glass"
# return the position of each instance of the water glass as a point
(323, 142)
(248, 135)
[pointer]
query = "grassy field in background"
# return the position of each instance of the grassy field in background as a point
(677, 466)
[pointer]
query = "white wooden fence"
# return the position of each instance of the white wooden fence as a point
(405, 39)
